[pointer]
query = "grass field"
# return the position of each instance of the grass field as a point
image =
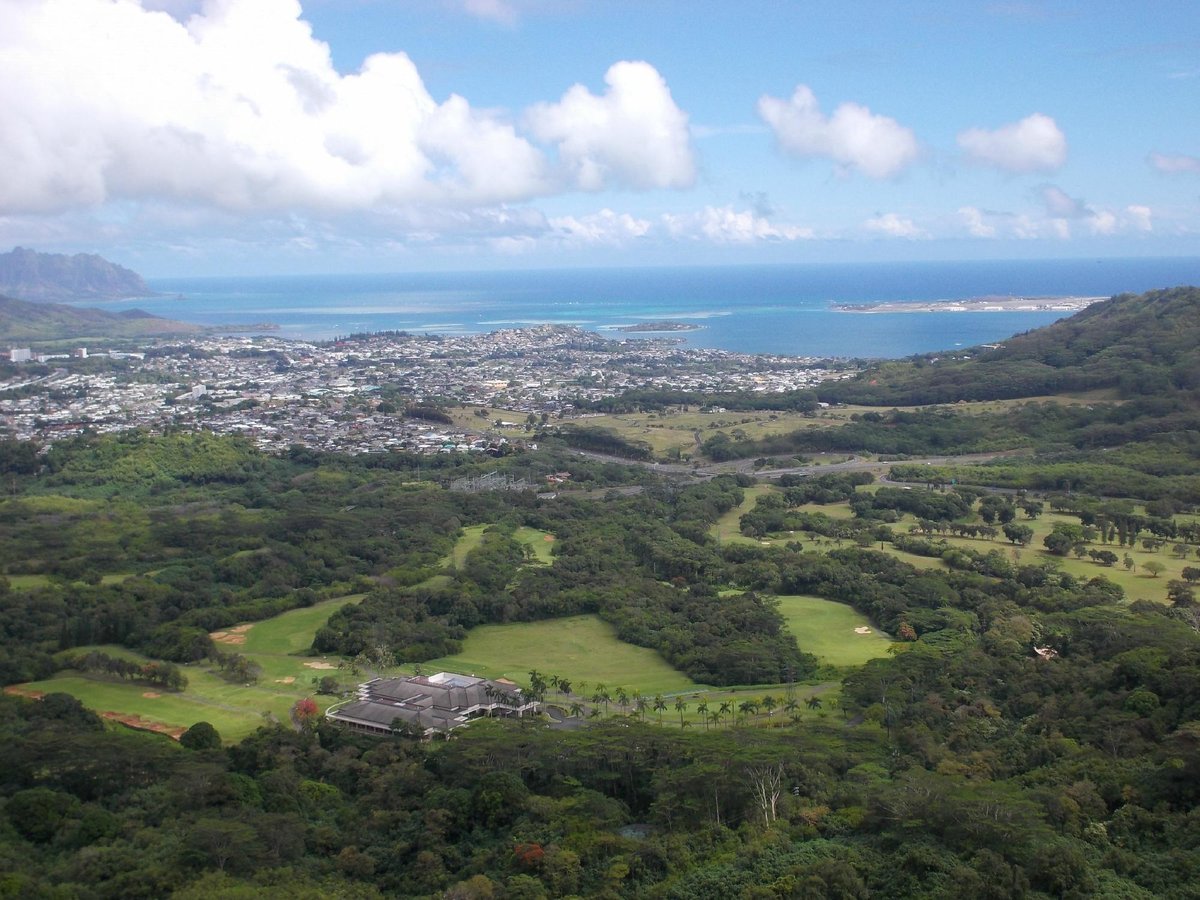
(472, 537)
(580, 648)
(235, 710)
(828, 630)
(540, 542)
(727, 527)
(1137, 583)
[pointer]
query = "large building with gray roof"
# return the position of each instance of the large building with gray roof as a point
(434, 703)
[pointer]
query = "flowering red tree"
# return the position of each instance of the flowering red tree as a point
(304, 712)
(528, 855)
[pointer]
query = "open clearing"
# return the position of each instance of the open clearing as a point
(580, 648)
(728, 527)
(235, 710)
(539, 542)
(833, 632)
(472, 537)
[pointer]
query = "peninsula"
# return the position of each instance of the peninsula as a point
(973, 304)
(657, 327)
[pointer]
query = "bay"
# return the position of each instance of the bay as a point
(779, 309)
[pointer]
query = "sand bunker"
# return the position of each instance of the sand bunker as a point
(232, 636)
(548, 537)
(287, 679)
(862, 629)
(320, 665)
(151, 695)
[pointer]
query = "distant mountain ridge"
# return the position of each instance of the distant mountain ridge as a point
(55, 277)
(22, 321)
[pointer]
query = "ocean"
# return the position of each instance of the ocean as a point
(779, 309)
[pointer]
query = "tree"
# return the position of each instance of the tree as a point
(748, 707)
(769, 705)
(304, 713)
(1180, 593)
(201, 736)
(766, 786)
(1018, 534)
(659, 705)
(725, 709)
(680, 707)
(1191, 574)
(1154, 567)
(702, 708)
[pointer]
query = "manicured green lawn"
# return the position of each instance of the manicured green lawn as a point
(292, 632)
(235, 710)
(540, 542)
(727, 528)
(580, 648)
(827, 629)
(472, 537)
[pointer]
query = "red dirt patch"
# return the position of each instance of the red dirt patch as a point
(548, 537)
(16, 690)
(139, 724)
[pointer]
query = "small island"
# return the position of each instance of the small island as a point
(658, 326)
(973, 304)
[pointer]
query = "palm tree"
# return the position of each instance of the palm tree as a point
(813, 702)
(748, 707)
(702, 708)
(640, 703)
(712, 717)
(768, 704)
(659, 705)
(622, 698)
(564, 686)
(791, 706)
(576, 709)
(725, 709)
(680, 706)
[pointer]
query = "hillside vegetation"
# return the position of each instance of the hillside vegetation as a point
(1031, 732)
(1141, 345)
(35, 322)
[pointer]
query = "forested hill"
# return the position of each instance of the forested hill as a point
(54, 277)
(22, 321)
(1146, 344)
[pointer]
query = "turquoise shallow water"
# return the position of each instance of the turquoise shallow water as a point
(753, 309)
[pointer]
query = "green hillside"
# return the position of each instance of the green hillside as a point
(33, 322)
(1139, 345)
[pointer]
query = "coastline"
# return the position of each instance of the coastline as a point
(973, 304)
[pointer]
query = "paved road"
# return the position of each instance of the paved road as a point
(746, 466)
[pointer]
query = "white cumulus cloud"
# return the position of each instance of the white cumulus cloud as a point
(894, 225)
(1061, 205)
(604, 227)
(1140, 218)
(727, 225)
(234, 104)
(633, 135)
(1178, 164)
(1034, 144)
(976, 222)
(853, 137)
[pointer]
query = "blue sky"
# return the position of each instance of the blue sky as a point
(263, 136)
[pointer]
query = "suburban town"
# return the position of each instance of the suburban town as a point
(357, 395)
